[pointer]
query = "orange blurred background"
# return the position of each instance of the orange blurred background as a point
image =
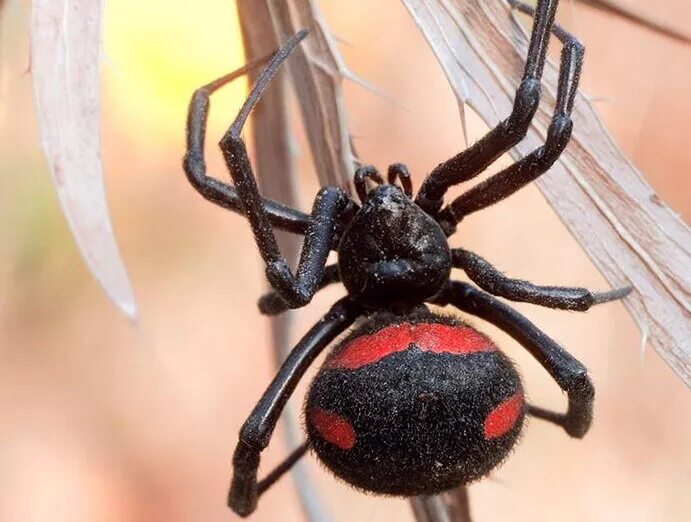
(104, 420)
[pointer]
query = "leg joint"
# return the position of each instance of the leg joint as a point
(195, 168)
(252, 437)
(524, 107)
(334, 194)
(558, 136)
(580, 387)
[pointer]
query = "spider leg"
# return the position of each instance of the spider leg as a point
(327, 211)
(256, 432)
(493, 281)
(212, 189)
(529, 168)
(546, 415)
(476, 158)
(283, 467)
(271, 303)
(567, 371)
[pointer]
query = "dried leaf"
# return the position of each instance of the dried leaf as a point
(65, 54)
(630, 235)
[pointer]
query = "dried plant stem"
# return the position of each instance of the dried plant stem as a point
(634, 13)
(452, 506)
(273, 137)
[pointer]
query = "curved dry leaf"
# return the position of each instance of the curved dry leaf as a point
(630, 235)
(65, 55)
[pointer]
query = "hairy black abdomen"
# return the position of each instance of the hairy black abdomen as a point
(415, 421)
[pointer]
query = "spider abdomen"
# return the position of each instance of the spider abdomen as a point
(414, 407)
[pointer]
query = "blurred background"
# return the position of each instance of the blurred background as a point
(102, 419)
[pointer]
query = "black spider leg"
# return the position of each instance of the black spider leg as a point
(493, 281)
(257, 430)
(212, 189)
(283, 467)
(327, 211)
(529, 168)
(271, 303)
(476, 158)
(569, 373)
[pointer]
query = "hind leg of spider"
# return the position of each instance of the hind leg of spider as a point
(518, 175)
(493, 281)
(566, 370)
(546, 415)
(476, 158)
(283, 467)
(256, 433)
(330, 206)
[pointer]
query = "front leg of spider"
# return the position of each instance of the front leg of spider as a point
(256, 433)
(532, 166)
(210, 188)
(271, 303)
(331, 205)
(476, 158)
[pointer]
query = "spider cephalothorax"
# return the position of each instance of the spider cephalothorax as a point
(392, 253)
(410, 402)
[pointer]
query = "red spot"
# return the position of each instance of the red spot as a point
(430, 337)
(333, 428)
(502, 418)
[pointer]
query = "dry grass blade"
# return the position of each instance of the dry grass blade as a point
(452, 506)
(630, 235)
(271, 128)
(275, 168)
(65, 54)
(318, 72)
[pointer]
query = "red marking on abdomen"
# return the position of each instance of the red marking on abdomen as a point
(333, 428)
(502, 418)
(430, 337)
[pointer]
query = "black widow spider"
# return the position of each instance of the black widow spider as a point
(411, 401)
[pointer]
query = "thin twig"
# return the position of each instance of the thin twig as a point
(318, 72)
(452, 506)
(273, 138)
(634, 13)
